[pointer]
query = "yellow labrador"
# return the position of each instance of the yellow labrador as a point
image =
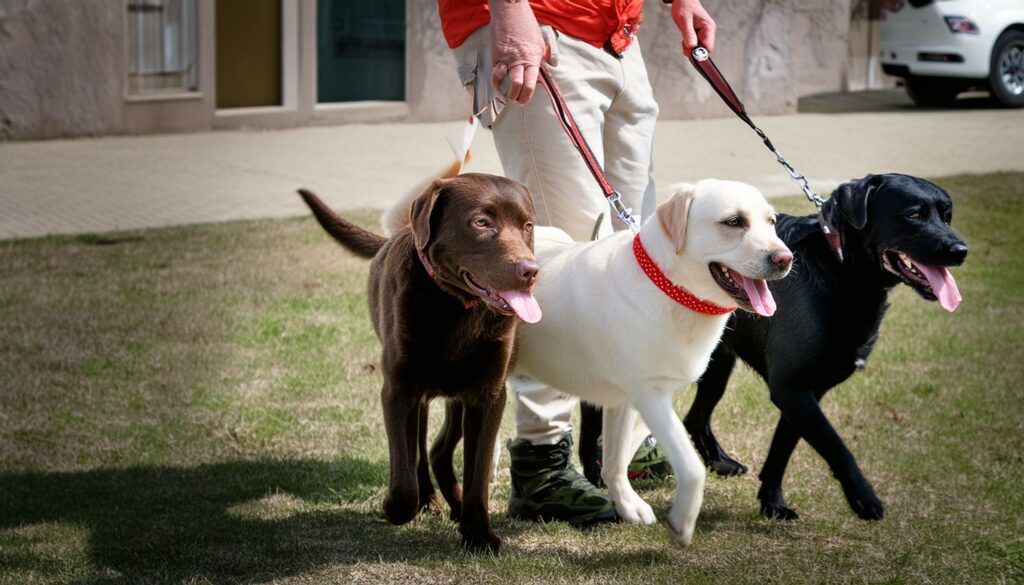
(627, 324)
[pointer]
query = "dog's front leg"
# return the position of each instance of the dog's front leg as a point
(429, 502)
(441, 453)
(402, 421)
(619, 446)
(690, 471)
(801, 410)
(480, 424)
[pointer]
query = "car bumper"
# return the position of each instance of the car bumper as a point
(963, 56)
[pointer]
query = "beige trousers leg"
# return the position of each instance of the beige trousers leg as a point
(613, 104)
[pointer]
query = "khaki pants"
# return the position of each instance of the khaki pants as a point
(613, 104)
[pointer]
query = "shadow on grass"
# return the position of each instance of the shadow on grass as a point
(213, 522)
(169, 524)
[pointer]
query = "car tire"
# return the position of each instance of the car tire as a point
(1006, 70)
(932, 91)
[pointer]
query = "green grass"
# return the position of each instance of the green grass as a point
(200, 405)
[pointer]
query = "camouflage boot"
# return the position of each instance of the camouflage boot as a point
(648, 462)
(546, 486)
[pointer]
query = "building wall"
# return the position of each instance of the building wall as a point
(62, 67)
(63, 72)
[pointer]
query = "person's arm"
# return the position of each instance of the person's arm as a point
(516, 48)
(693, 21)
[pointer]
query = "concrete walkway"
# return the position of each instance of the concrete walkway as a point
(117, 183)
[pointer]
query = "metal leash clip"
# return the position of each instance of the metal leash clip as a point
(624, 213)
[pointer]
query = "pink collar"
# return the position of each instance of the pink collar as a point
(674, 291)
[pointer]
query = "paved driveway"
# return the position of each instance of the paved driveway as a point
(113, 183)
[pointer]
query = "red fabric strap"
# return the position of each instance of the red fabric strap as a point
(674, 291)
(573, 131)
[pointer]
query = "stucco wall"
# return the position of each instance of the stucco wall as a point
(62, 65)
(59, 64)
(63, 73)
(772, 52)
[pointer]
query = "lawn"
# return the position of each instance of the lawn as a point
(200, 405)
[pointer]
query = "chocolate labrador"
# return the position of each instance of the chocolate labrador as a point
(444, 293)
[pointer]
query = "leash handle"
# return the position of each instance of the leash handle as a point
(576, 137)
(701, 60)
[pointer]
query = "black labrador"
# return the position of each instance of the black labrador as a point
(890, 228)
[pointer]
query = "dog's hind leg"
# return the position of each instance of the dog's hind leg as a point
(402, 420)
(801, 411)
(590, 430)
(480, 424)
(429, 502)
(710, 390)
(690, 472)
(619, 447)
(441, 453)
(773, 504)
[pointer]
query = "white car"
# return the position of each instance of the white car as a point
(943, 47)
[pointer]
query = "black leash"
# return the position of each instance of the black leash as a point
(701, 60)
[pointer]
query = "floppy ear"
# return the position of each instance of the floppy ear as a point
(422, 209)
(673, 213)
(851, 199)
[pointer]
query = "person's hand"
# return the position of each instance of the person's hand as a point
(693, 21)
(517, 48)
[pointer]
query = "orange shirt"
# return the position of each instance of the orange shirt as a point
(598, 22)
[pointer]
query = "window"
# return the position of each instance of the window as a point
(161, 46)
(360, 50)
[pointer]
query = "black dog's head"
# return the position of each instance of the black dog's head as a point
(902, 223)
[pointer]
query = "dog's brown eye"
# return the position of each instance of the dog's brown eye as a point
(734, 222)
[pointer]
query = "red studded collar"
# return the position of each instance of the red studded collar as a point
(674, 291)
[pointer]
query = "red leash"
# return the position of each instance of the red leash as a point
(576, 137)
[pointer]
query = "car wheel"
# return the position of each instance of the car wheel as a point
(1006, 72)
(932, 91)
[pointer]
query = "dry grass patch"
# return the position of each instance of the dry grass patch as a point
(200, 405)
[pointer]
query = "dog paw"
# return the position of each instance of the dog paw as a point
(868, 507)
(683, 537)
(635, 511)
(774, 511)
(485, 542)
(400, 510)
(455, 514)
(727, 467)
(431, 504)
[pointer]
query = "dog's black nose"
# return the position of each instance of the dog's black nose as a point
(958, 251)
(527, 271)
(781, 258)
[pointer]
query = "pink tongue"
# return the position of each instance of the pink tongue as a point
(761, 298)
(523, 304)
(943, 285)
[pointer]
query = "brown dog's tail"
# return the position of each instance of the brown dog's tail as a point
(354, 238)
(398, 215)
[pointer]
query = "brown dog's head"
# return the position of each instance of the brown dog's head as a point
(476, 231)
